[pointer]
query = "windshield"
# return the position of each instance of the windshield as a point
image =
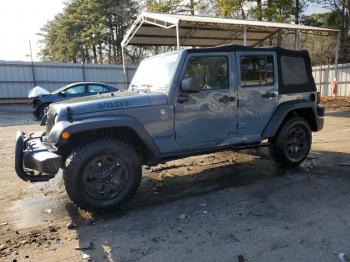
(154, 74)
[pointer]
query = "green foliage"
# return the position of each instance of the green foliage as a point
(162, 6)
(175, 6)
(231, 8)
(88, 31)
(329, 20)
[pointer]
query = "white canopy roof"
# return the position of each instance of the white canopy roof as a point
(186, 30)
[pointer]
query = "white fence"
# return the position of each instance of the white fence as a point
(325, 74)
(17, 78)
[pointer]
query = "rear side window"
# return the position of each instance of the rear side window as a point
(96, 89)
(212, 70)
(293, 70)
(256, 70)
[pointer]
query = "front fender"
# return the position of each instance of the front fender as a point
(282, 111)
(100, 123)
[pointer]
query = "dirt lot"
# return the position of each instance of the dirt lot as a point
(219, 207)
(336, 103)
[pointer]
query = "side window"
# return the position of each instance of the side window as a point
(256, 70)
(212, 70)
(79, 89)
(294, 70)
(93, 89)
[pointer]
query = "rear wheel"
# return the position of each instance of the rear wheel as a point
(102, 175)
(292, 144)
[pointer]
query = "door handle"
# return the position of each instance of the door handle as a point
(226, 99)
(269, 94)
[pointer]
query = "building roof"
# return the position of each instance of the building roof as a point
(161, 29)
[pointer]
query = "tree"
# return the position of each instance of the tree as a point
(231, 8)
(338, 17)
(88, 31)
(175, 6)
(328, 19)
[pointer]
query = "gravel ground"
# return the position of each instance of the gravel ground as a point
(226, 206)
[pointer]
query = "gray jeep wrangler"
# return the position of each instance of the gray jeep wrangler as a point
(179, 104)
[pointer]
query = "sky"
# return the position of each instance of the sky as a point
(21, 20)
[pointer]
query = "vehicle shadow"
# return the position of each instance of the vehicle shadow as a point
(155, 192)
(342, 113)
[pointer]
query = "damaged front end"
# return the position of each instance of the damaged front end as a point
(34, 153)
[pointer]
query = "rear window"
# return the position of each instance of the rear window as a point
(256, 70)
(293, 70)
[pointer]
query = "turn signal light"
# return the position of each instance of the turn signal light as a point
(65, 135)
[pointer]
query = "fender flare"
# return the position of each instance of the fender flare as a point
(282, 111)
(101, 123)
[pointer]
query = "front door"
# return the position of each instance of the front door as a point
(257, 91)
(207, 117)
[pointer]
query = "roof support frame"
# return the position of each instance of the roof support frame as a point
(267, 37)
(237, 35)
(251, 30)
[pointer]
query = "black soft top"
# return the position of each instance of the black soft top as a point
(284, 88)
(235, 48)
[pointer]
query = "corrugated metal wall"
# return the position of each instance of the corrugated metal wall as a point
(325, 74)
(16, 78)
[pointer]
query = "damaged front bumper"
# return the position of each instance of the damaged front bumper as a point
(33, 154)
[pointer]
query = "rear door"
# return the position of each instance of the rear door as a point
(257, 90)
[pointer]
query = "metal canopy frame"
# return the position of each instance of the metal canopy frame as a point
(155, 29)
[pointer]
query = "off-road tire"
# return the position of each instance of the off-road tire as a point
(279, 144)
(81, 157)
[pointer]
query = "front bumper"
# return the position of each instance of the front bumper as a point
(33, 154)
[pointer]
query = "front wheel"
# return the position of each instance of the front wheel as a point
(292, 144)
(102, 175)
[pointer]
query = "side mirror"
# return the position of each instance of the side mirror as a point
(191, 85)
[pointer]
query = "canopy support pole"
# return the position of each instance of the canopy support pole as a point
(337, 56)
(178, 36)
(297, 40)
(245, 36)
(124, 67)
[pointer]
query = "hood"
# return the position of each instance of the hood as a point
(37, 91)
(110, 101)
